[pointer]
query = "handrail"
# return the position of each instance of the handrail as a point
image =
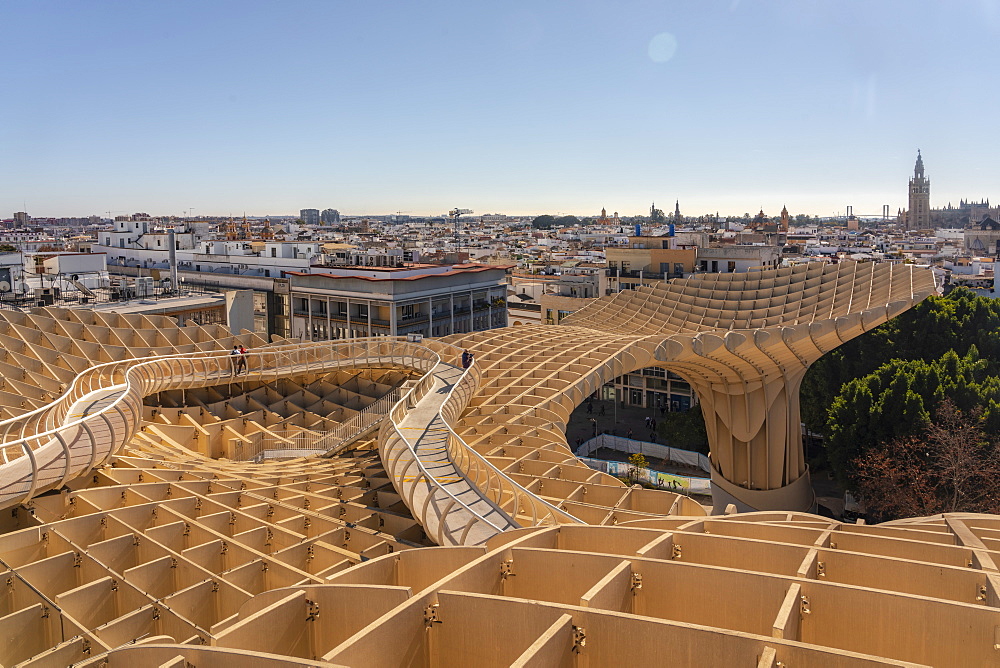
(462, 452)
(391, 436)
(74, 392)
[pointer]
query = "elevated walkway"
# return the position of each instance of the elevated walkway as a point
(455, 511)
(45, 448)
(456, 494)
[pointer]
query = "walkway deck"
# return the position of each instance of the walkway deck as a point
(425, 431)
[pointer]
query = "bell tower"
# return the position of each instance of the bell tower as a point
(918, 216)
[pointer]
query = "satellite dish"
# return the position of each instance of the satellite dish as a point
(22, 288)
(4, 286)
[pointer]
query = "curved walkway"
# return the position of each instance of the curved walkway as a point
(451, 490)
(101, 411)
(455, 512)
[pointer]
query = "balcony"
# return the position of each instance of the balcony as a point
(612, 273)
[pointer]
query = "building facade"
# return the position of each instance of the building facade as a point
(330, 217)
(983, 238)
(647, 260)
(432, 300)
(309, 216)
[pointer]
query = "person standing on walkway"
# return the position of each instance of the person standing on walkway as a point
(235, 358)
(466, 359)
(243, 358)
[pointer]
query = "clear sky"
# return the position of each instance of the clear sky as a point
(511, 106)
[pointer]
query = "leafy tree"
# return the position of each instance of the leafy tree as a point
(684, 429)
(544, 222)
(7, 248)
(657, 216)
(896, 401)
(566, 221)
(957, 321)
(950, 466)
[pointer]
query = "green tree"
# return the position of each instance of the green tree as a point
(684, 429)
(957, 321)
(544, 222)
(7, 248)
(896, 401)
(637, 462)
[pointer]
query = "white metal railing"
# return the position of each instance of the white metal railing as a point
(410, 477)
(298, 443)
(343, 434)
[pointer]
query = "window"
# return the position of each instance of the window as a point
(274, 252)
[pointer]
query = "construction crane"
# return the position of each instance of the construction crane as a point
(454, 214)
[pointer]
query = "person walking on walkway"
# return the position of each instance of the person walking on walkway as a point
(235, 358)
(242, 359)
(466, 359)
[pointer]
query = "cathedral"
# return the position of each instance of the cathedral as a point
(920, 216)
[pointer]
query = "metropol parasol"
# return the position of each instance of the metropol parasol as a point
(154, 511)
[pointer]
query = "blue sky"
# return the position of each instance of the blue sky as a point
(519, 107)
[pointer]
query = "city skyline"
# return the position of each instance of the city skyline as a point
(729, 107)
